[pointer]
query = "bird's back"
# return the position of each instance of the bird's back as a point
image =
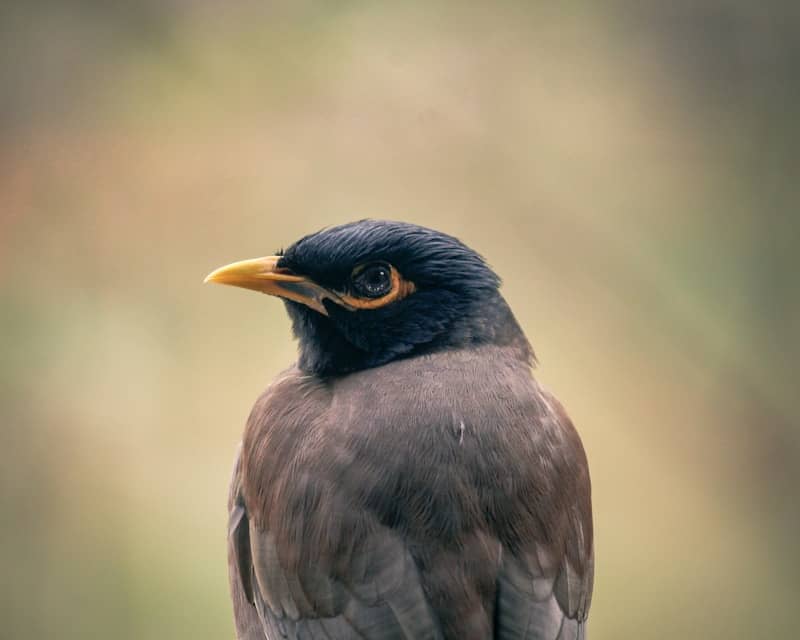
(441, 496)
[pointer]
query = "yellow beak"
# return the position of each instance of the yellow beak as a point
(264, 275)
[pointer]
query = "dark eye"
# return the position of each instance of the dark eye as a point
(373, 281)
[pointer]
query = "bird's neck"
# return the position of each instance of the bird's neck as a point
(494, 324)
(324, 349)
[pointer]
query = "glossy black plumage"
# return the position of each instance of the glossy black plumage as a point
(455, 301)
(408, 478)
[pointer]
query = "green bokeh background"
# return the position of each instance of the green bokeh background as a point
(630, 169)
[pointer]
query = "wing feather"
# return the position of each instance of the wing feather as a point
(380, 597)
(545, 590)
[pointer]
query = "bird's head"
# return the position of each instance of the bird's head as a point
(365, 293)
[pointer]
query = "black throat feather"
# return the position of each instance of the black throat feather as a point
(347, 341)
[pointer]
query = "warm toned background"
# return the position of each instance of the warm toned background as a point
(629, 168)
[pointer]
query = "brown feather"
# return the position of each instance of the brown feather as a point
(449, 487)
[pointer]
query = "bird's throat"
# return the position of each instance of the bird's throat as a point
(344, 343)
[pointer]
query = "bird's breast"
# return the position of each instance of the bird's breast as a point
(423, 445)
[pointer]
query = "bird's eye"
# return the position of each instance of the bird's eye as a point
(373, 281)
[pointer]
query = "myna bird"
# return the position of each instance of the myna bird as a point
(407, 477)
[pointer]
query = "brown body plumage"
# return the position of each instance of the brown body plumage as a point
(440, 495)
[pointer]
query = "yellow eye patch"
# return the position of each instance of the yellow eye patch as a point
(400, 288)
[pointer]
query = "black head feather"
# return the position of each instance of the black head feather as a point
(455, 302)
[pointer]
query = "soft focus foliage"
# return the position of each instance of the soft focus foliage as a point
(629, 169)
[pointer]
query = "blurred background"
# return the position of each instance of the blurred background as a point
(630, 169)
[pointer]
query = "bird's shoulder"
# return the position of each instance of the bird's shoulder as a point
(477, 414)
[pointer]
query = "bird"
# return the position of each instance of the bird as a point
(407, 477)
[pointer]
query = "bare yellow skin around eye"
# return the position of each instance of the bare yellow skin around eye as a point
(400, 289)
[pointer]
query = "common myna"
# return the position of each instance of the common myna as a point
(407, 477)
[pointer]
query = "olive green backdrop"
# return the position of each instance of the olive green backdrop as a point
(630, 170)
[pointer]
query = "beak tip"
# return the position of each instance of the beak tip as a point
(211, 277)
(216, 276)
